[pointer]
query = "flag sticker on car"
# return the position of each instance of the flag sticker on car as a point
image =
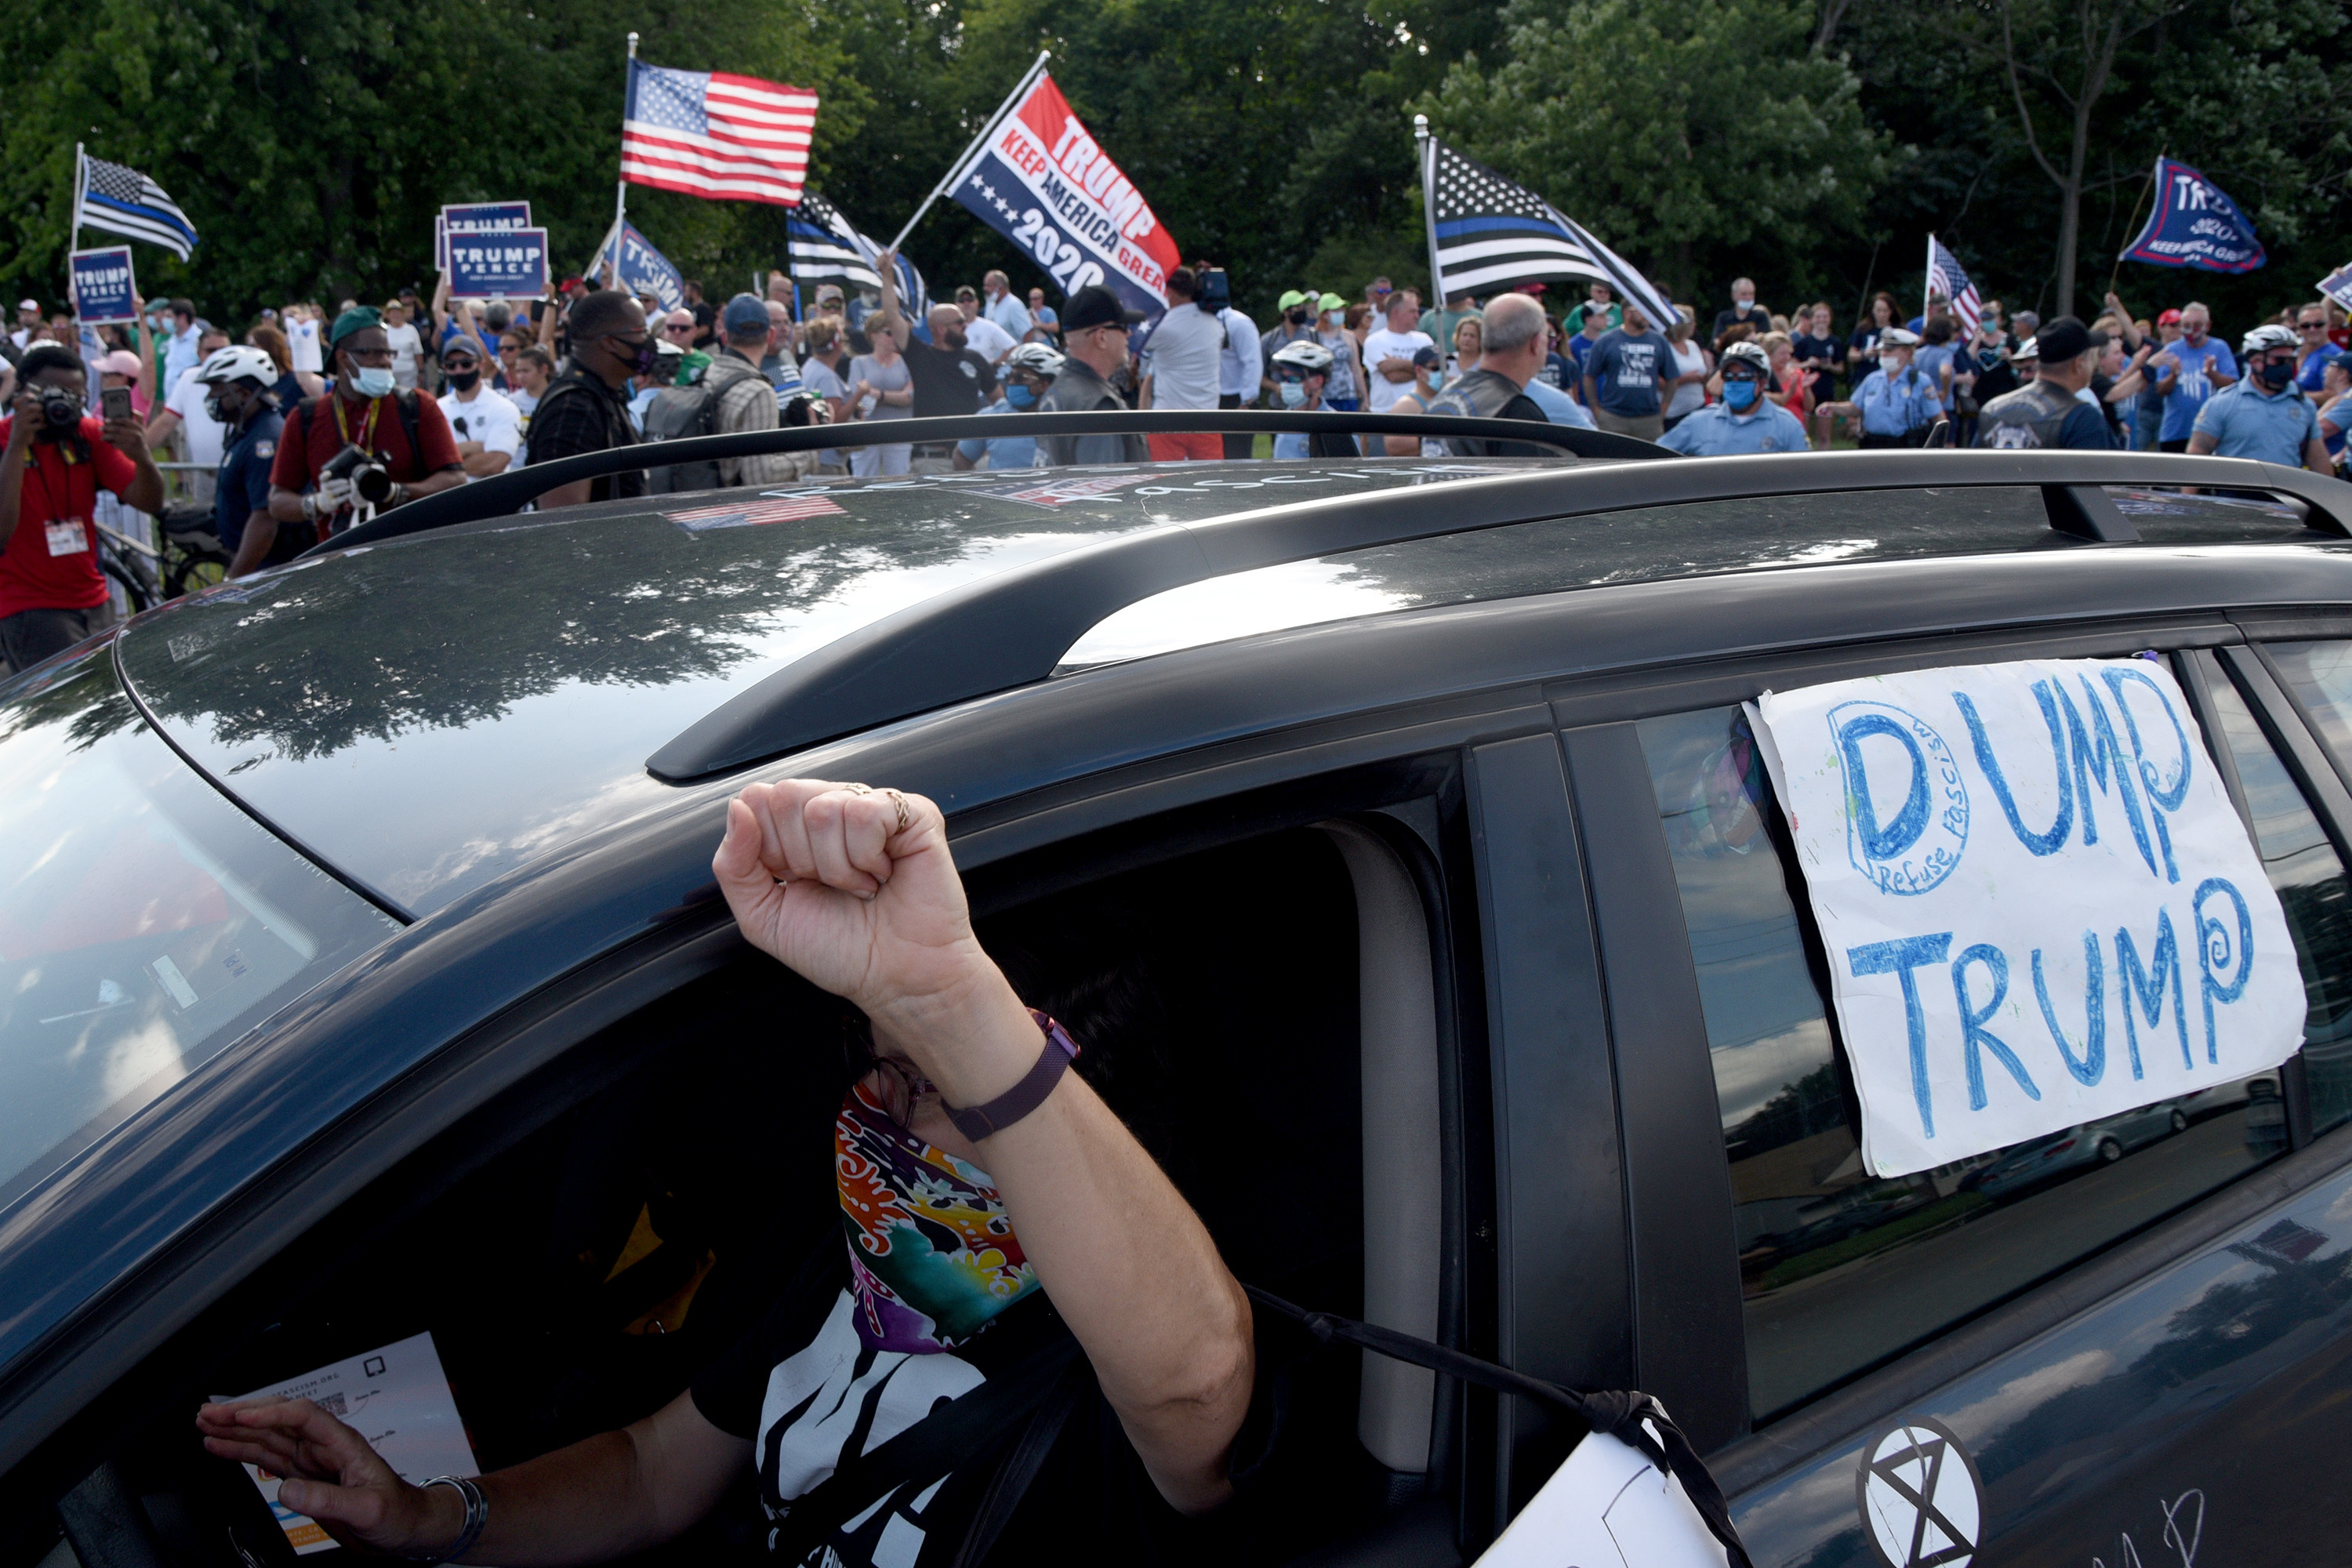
(757, 511)
(2040, 906)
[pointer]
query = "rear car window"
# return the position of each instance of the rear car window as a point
(2309, 876)
(1840, 1270)
(2320, 675)
(2166, 514)
(145, 922)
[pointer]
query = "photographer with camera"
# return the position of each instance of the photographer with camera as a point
(366, 446)
(55, 463)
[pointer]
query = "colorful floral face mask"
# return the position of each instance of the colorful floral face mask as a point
(932, 1256)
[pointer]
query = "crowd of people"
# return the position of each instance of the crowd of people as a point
(310, 420)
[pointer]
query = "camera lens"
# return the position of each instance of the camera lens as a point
(372, 483)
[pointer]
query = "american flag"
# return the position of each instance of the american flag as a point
(1486, 235)
(1947, 277)
(708, 133)
(123, 201)
(755, 510)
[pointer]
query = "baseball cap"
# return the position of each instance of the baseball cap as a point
(1290, 297)
(358, 319)
(2169, 318)
(28, 304)
(828, 291)
(2062, 340)
(1430, 358)
(121, 362)
(1096, 306)
(1331, 303)
(1898, 338)
(745, 314)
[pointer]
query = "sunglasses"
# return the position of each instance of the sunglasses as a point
(679, 329)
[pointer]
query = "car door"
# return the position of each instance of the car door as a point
(2139, 1338)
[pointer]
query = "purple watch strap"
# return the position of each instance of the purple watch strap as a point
(1027, 1095)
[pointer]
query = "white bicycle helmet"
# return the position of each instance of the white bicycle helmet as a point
(1305, 355)
(2270, 335)
(1748, 352)
(1037, 359)
(238, 363)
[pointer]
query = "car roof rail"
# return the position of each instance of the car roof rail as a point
(1011, 628)
(503, 494)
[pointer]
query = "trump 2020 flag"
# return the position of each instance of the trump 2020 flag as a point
(1037, 178)
(1486, 234)
(2193, 224)
(639, 268)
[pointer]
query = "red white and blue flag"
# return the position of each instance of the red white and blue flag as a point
(1947, 277)
(711, 134)
(1037, 178)
(2194, 223)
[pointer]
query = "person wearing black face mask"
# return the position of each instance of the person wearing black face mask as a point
(487, 425)
(236, 383)
(2264, 416)
(586, 409)
(1298, 307)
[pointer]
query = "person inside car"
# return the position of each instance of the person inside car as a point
(984, 1199)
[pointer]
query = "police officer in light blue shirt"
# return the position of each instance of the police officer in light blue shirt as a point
(1746, 421)
(1896, 399)
(2265, 417)
(1029, 372)
(1557, 405)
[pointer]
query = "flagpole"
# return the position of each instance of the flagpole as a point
(621, 196)
(986, 130)
(2118, 269)
(1928, 286)
(1421, 155)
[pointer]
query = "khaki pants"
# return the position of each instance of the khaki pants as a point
(1648, 426)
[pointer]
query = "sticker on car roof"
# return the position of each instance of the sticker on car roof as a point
(757, 511)
(1061, 492)
(2040, 905)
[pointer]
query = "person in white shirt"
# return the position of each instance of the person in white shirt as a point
(981, 335)
(28, 321)
(487, 425)
(183, 410)
(1182, 364)
(1241, 372)
(1388, 353)
(301, 325)
(180, 353)
(407, 345)
(1002, 309)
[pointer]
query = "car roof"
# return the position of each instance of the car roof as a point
(427, 713)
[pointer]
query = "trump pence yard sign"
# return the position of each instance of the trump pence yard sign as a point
(2039, 907)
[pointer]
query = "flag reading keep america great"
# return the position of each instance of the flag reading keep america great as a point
(716, 135)
(1488, 234)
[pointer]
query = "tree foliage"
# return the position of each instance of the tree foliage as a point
(1809, 143)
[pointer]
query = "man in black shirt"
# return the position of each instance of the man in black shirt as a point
(587, 408)
(1743, 312)
(949, 378)
(1094, 329)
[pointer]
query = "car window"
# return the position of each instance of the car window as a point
(145, 922)
(2320, 675)
(1839, 1269)
(2166, 514)
(2309, 877)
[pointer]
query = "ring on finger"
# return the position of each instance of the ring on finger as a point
(858, 788)
(906, 814)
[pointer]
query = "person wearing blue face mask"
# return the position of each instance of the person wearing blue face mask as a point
(1029, 374)
(1301, 370)
(403, 432)
(2265, 417)
(1747, 421)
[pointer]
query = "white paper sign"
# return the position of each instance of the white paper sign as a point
(1607, 1507)
(395, 1398)
(2039, 905)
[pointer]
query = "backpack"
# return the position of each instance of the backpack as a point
(682, 411)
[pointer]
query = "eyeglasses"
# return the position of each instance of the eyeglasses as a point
(2311, 326)
(901, 1087)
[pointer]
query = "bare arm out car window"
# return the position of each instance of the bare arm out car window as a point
(2310, 880)
(1840, 1270)
(144, 921)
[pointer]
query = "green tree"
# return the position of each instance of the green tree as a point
(1698, 133)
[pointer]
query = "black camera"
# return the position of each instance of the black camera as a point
(1215, 292)
(371, 480)
(60, 411)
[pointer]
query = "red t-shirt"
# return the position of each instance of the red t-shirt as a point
(298, 461)
(51, 561)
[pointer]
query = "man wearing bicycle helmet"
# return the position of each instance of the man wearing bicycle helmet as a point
(236, 383)
(2264, 416)
(1747, 420)
(1300, 370)
(1029, 373)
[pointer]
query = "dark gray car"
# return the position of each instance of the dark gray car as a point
(361, 975)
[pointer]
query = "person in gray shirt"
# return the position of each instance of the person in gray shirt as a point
(1094, 336)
